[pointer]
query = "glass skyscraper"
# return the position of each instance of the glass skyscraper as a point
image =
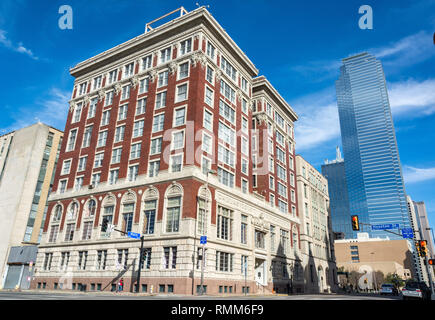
(372, 166)
(338, 196)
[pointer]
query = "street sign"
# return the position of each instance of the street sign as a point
(134, 235)
(407, 233)
(203, 240)
(385, 226)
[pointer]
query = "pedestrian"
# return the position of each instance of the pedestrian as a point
(121, 284)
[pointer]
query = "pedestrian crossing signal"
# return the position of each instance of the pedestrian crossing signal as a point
(355, 223)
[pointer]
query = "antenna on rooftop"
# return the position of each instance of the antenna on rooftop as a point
(199, 6)
(148, 25)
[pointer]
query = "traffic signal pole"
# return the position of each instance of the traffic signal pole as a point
(140, 263)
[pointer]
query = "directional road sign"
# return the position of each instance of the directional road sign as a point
(134, 235)
(407, 233)
(203, 240)
(385, 226)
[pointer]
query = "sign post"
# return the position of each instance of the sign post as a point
(203, 241)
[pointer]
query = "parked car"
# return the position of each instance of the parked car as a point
(388, 288)
(416, 290)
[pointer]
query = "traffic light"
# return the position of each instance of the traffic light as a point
(355, 223)
(104, 225)
(423, 248)
(431, 262)
(417, 246)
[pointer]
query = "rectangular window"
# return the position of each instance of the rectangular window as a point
(179, 117)
(244, 230)
(92, 108)
(163, 79)
(105, 118)
(87, 230)
(141, 106)
(82, 163)
(98, 161)
(158, 122)
(206, 143)
(244, 186)
(129, 70)
(165, 55)
(82, 88)
(208, 96)
(259, 239)
(245, 166)
(208, 120)
(66, 167)
(211, 50)
(127, 217)
(226, 156)
(176, 163)
(96, 179)
(54, 231)
(101, 259)
(227, 134)
(146, 255)
(109, 98)
(97, 83)
(77, 112)
(224, 261)
(69, 233)
(138, 128)
(122, 112)
(183, 71)
(228, 92)
(156, 146)
(185, 46)
(78, 183)
(135, 151)
(182, 92)
(144, 85)
(154, 168)
(209, 75)
(113, 76)
(161, 100)
(71, 140)
(227, 112)
(225, 177)
(116, 155)
(147, 62)
(177, 140)
(282, 206)
(102, 139)
(62, 187)
(113, 176)
(119, 133)
(132, 173)
(224, 223)
(228, 68)
(87, 137)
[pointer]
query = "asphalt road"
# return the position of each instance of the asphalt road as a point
(38, 295)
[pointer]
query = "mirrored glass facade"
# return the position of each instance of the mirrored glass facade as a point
(372, 166)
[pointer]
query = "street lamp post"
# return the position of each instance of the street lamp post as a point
(201, 289)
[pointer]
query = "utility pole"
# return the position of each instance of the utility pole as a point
(140, 263)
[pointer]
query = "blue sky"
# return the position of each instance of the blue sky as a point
(297, 45)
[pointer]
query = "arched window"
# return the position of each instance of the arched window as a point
(204, 201)
(57, 213)
(128, 205)
(173, 208)
(72, 211)
(108, 209)
(150, 200)
(92, 208)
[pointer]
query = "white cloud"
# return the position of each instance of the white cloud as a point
(318, 119)
(51, 110)
(17, 48)
(414, 175)
(412, 97)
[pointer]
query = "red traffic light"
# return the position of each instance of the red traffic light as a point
(355, 223)
(431, 262)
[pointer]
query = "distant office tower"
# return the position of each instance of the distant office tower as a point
(339, 199)
(373, 172)
(27, 160)
(426, 234)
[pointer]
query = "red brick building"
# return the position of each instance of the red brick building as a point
(148, 121)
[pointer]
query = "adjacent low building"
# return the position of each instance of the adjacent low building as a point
(317, 239)
(365, 254)
(28, 158)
